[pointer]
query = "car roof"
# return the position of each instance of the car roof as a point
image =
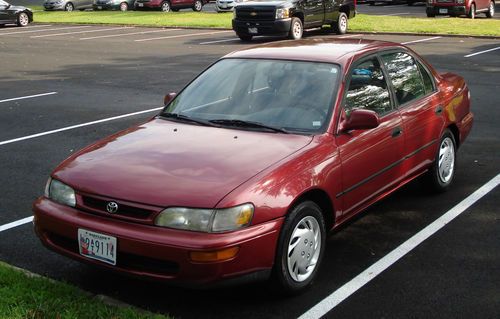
(320, 49)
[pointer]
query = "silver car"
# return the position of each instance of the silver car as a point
(226, 5)
(67, 5)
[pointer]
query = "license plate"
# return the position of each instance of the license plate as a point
(252, 30)
(99, 7)
(443, 10)
(97, 246)
(224, 5)
(140, 4)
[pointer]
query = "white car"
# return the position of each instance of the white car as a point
(226, 5)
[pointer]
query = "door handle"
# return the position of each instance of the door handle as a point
(439, 110)
(397, 131)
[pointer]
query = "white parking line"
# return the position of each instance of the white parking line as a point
(421, 40)
(182, 36)
(77, 32)
(218, 41)
(16, 223)
(27, 97)
(377, 268)
(77, 126)
(481, 52)
(124, 34)
(30, 31)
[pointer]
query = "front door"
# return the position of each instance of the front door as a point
(371, 159)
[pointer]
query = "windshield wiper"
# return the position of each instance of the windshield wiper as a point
(185, 118)
(241, 123)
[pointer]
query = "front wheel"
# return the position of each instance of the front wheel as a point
(340, 27)
(69, 7)
(300, 248)
(491, 10)
(197, 6)
(472, 11)
(22, 19)
(123, 6)
(165, 6)
(296, 29)
(442, 172)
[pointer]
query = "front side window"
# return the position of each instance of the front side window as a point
(405, 76)
(290, 95)
(368, 88)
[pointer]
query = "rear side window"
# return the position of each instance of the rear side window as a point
(428, 83)
(405, 76)
(368, 88)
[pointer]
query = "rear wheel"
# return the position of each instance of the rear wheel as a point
(300, 248)
(165, 6)
(22, 19)
(472, 11)
(244, 37)
(123, 6)
(197, 6)
(491, 10)
(69, 7)
(440, 176)
(340, 27)
(296, 29)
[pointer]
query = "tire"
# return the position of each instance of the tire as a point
(22, 19)
(69, 7)
(165, 6)
(340, 26)
(296, 29)
(472, 11)
(123, 6)
(244, 37)
(300, 248)
(197, 6)
(442, 172)
(491, 10)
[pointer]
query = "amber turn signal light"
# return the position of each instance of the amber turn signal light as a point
(216, 255)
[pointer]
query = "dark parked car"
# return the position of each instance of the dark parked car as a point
(460, 7)
(122, 5)
(245, 171)
(170, 5)
(21, 16)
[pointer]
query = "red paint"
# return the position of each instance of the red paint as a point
(161, 163)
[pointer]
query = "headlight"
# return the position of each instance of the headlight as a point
(206, 220)
(60, 192)
(282, 13)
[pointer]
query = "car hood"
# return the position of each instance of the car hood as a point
(164, 163)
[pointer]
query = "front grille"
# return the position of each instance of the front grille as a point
(255, 13)
(124, 260)
(124, 210)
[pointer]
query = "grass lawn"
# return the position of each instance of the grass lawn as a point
(361, 22)
(39, 298)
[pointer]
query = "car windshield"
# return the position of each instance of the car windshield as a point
(275, 95)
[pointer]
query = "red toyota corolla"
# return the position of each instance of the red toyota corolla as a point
(251, 164)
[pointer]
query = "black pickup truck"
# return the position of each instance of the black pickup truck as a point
(290, 17)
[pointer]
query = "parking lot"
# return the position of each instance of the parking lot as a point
(63, 87)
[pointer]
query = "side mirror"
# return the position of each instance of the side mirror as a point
(360, 119)
(168, 98)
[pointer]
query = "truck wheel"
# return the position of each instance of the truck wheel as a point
(472, 11)
(296, 29)
(244, 37)
(340, 27)
(491, 10)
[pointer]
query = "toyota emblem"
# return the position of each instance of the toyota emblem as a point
(112, 207)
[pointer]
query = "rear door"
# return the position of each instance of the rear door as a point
(371, 159)
(418, 103)
(314, 13)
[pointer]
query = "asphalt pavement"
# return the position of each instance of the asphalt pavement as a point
(81, 75)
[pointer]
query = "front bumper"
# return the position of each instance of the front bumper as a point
(155, 252)
(276, 27)
(443, 9)
(224, 7)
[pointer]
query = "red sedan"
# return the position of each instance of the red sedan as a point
(247, 168)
